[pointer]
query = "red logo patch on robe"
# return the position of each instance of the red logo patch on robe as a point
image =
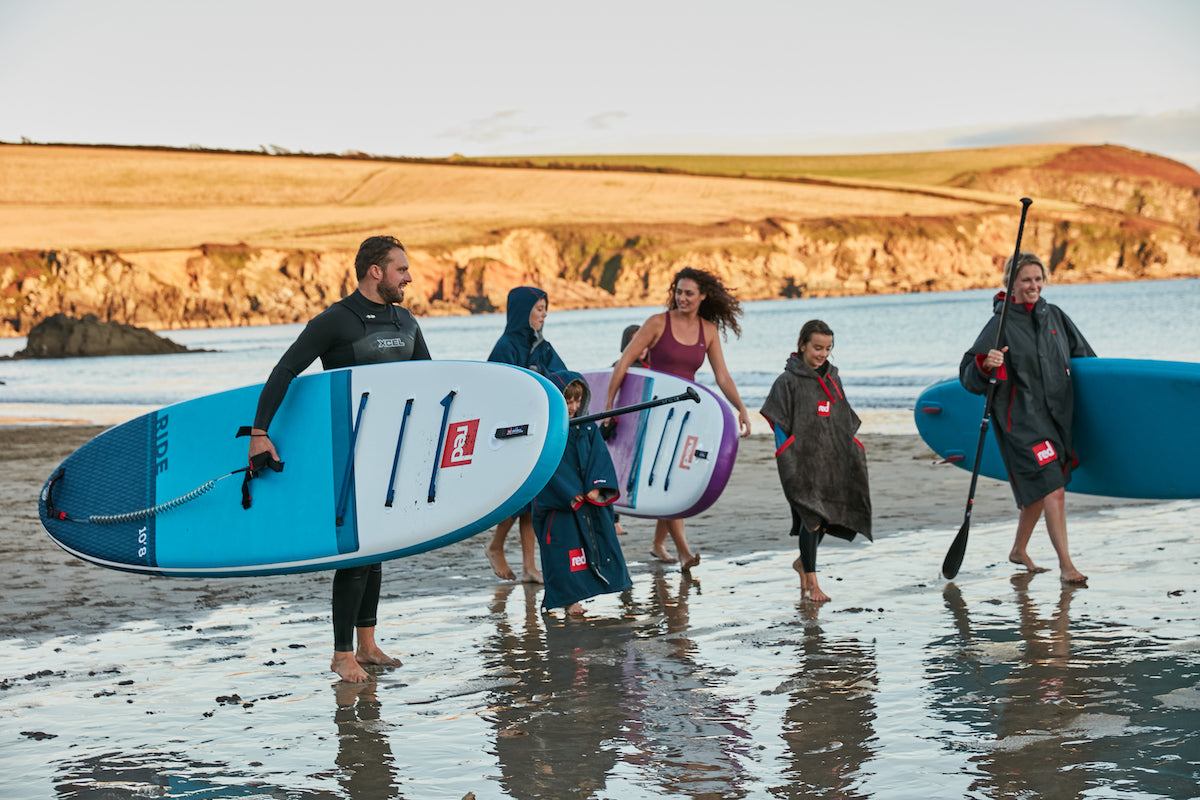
(578, 560)
(1044, 453)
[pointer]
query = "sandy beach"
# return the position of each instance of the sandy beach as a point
(721, 684)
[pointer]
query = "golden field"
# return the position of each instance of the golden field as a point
(131, 199)
(182, 238)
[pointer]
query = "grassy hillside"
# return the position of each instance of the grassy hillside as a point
(130, 199)
(938, 168)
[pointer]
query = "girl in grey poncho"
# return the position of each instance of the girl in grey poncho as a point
(822, 466)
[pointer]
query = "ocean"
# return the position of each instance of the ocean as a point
(887, 347)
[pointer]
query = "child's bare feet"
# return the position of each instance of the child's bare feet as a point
(530, 575)
(575, 610)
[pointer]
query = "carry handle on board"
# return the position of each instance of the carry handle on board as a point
(344, 495)
(446, 401)
(658, 450)
(675, 452)
(391, 495)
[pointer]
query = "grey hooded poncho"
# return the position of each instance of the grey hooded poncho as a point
(822, 466)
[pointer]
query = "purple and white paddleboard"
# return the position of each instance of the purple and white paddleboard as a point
(673, 461)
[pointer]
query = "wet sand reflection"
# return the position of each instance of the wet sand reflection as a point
(829, 728)
(1061, 705)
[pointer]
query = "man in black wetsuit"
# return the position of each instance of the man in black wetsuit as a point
(365, 328)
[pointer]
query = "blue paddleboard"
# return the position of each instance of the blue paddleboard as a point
(380, 462)
(1136, 429)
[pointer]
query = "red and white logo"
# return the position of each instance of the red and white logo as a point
(689, 452)
(578, 560)
(823, 408)
(460, 443)
(1044, 453)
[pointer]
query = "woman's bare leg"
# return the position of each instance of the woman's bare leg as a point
(1056, 524)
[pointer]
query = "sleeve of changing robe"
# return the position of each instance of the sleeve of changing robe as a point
(1079, 345)
(309, 345)
(973, 379)
(563, 487)
(777, 409)
(600, 472)
(504, 352)
(556, 363)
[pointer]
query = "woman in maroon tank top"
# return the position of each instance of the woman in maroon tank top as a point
(699, 310)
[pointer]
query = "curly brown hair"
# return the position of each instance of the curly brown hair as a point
(719, 306)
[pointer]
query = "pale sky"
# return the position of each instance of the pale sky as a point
(526, 77)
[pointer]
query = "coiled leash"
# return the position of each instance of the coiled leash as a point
(257, 464)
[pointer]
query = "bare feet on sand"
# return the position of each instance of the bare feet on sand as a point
(575, 610)
(349, 666)
(809, 590)
(691, 562)
(499, 563)
(662, 555)
(531, 575)
(1023, 560)
(1073, 577)
(619, 529)
(348, 669)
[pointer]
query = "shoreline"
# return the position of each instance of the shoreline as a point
(49, 593)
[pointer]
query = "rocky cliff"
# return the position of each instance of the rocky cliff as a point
(1138, 217)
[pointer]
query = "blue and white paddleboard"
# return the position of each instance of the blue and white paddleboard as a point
(380, 462)
(1136, 430)
(673, 461)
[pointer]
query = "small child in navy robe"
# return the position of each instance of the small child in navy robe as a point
(573, 515)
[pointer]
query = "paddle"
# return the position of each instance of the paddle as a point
(690, 394)
(958, 547)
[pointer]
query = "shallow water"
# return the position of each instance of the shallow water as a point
(888, 348)
(999, 685)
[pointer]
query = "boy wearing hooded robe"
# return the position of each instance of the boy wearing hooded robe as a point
(573, 517)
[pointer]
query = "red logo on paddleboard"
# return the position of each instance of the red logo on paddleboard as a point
(1044, 453)
(578, 560)
(823, 408)
(460, 443)
(689, 452)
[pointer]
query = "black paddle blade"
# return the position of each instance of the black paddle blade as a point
(958, 548)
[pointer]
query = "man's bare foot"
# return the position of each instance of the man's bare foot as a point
(1073, 576)
(530, 575)
(499, 563)
(575, 610)
(662, 555)
(376, 657)
(1023, 560)
(690, 562)
(347, 667)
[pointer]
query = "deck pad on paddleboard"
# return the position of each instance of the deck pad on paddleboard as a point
(1135, 428)
(479, 441)
(673, 461)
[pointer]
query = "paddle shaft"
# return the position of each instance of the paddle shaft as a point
(690, 394)
(958, 547)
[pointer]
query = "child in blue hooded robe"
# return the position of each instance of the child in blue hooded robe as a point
(523, 345)
(573, 515)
